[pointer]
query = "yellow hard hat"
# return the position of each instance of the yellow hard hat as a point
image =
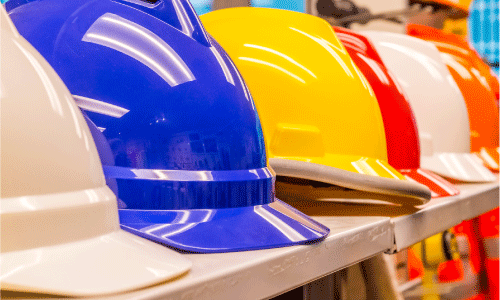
(437, 249)
(320, 118)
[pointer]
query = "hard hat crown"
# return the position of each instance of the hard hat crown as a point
(401, 132)
(475, 82)
(315, 87)
(57, 215)
(320, 117)
(181, 141)
(431, 89)
(49, 160)
(180, 121)
(438, 83)
(403, 148)
(46, 149)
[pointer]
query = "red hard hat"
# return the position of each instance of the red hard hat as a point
(401, 131)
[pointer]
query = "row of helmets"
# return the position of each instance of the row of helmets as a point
(169, 143)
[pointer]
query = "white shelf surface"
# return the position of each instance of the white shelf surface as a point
(443, 213)
(479, 199)
(266, 273)
(359, 230)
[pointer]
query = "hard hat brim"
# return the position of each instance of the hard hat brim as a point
(107, 264)
(465, 167)
(293, 190)
(373, 176)
(225, 230)
(490, 158)
(439, 186)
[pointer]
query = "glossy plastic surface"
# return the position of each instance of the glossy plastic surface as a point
(57, 110)
(482, 108)
(84, 268)
(490, 157)
(180, 122)
(403, 148)
(439, 186)
(481, 104)
(458, 46)
(59, 221)
(212, 230)
(431, 90)
(314, 103)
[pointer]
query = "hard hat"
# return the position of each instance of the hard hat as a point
(189, 156)
(482, 109)
(437, 103)
(459, 46)
(320, 117)
(59, 221)
(480, 101)
(449, 259)
(440, 257)
(461, 7)
(403, 148)
(437, 249)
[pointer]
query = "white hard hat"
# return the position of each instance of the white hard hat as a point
(59, 221)
(438, 104)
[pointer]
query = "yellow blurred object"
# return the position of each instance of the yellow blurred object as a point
(461, 6)
(320, 117)
(439, 248)
(458, 27)
(432, 252)
(430, 289)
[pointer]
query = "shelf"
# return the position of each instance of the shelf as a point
(443, 213)
(359, 230)
(479, 199)
(265, 273)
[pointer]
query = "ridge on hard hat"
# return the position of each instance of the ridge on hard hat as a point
(320, 118)
(59, 220)
(431, 90)
(459, 46)
(481, 106)
(188, 156)
(403, 148)
(479, 98)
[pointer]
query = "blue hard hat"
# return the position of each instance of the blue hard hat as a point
(178, 133)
